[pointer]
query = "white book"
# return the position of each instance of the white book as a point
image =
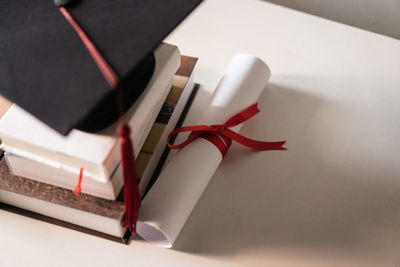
(98, 153)
(37, 171)
(104, 224)
(68, 179)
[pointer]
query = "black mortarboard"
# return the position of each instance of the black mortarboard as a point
(46, 69)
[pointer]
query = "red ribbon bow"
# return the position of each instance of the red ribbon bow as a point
(214, 133)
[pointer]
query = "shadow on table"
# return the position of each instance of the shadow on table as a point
(304, 198)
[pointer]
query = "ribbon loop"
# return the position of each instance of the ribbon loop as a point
(221, 136)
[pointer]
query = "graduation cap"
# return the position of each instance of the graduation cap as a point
(81, 64)
(46, 69)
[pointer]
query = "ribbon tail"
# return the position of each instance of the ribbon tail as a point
(242, 116)
(131, 188)
(254, 144)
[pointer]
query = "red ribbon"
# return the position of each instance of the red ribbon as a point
(221, 136)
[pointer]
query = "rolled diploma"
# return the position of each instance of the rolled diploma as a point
(172, 198)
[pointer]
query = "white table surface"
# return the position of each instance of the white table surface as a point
(332, 199)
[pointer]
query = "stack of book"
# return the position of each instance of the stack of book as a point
(40, 168)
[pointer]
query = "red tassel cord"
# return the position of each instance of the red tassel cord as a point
(131, 189)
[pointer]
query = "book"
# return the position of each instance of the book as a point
(98, 153)
(147, 159)
(87, 213)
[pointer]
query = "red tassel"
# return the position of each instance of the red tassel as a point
(77, 189)
(131, 188)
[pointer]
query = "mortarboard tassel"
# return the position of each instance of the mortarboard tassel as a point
(131, 188)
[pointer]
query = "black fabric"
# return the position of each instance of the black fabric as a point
(46, 69)
(106, 112)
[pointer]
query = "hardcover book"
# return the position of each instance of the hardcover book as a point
(92, 214)
(146, 160)
(98, 153)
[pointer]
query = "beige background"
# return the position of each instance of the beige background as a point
(381, 16)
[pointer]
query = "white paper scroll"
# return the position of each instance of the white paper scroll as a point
(172, 198)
